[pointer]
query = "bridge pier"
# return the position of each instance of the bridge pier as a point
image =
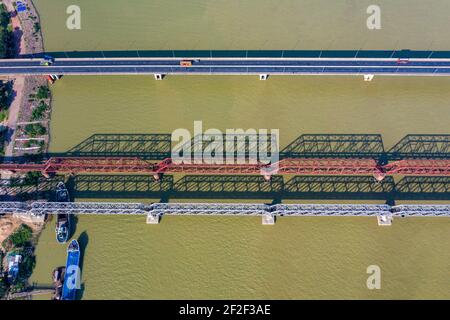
(46, 175)
(268, 219)
(152, 219)
(263, 76)
(158, 76)
(385, 219)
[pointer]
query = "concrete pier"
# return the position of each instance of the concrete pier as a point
(152, 219)
(385, 219)
(268, 219)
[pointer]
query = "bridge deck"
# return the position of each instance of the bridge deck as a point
(237, 66)
(233, 209)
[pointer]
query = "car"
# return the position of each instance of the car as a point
(402, 61)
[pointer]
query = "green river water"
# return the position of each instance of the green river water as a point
(214, 257)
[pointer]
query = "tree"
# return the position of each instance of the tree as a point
(35, 129)
(43, 92)
(39, 112)
(5, 34)
(19, 238)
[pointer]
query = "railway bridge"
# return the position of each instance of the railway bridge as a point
(298, 166)
(268, 213)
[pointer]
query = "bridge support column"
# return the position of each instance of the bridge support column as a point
(268, 219)
(263, 76)
(158, 76)
(385, 219)
(368, 77)
(152, 219)
(45, 174)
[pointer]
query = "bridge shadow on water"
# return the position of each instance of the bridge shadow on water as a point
(256, 187)
(158, 146)
(147, 146)
(421, 146)
(335, 146)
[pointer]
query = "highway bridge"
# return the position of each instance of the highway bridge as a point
(264, 63)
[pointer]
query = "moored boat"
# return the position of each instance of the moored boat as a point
(72, 274)
(62, 228)
(62, 219)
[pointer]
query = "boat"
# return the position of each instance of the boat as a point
(13, 262)
(72, 273)
(62, 227)
(62, 219)
(58, 279)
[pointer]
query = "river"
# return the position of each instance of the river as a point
(204, 257)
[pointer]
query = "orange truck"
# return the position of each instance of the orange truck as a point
(185, 63)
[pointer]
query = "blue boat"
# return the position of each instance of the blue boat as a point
(72, 274)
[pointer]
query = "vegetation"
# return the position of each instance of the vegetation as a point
(43, 92)
(6, 37)
(5, 94)
(19, 242)
(20, 238)
(37, 27)
(26, 267)
(39, 112)
(3, 115)
(3, 285)
(32, 178)
(35, 129)
(2, 144)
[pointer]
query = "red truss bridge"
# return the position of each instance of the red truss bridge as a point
(297, 166)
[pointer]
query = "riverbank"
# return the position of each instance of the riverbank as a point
(17, 259)
(29, 100)
(27, 39)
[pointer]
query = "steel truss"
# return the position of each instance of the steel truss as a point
(197, 209)
(330, 209)
(412, 210)
(230, 209)
(307, 166)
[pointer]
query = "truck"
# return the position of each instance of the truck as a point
(186, 63)
(47, 61)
